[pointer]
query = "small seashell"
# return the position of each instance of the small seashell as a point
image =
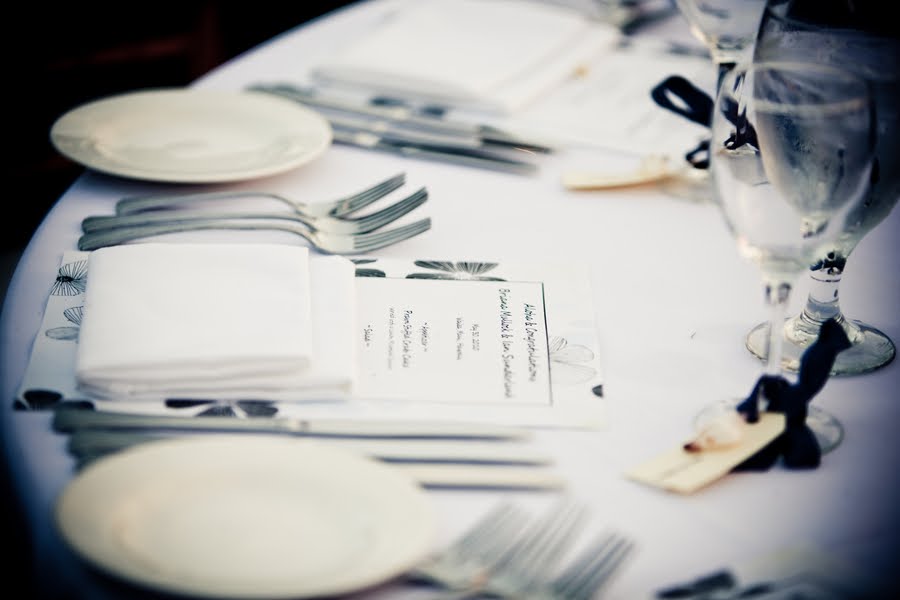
(721, 432)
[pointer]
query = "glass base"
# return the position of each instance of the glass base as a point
(871, 348)
(828, 430)
(693, 185)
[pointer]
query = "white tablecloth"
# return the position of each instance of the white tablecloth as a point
(673, 300)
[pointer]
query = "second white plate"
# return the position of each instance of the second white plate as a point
(246, 516)
(189, 135)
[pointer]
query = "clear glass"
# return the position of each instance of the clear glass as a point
(830, 32)
(728, 29)
(790, 157)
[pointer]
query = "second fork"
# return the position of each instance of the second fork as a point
(336, 208)
(329, 224)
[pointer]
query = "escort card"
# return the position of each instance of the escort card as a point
(683, 471)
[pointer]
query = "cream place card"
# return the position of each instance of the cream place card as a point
(511, 344)
(684, 471)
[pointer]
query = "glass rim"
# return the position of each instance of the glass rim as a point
(800, 66)
(849, 76)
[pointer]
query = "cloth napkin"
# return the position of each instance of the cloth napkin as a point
(489, 55)
(173, 320)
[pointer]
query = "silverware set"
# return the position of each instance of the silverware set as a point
(328, 227)
(390, 125)
(436, 454)
(507, 554)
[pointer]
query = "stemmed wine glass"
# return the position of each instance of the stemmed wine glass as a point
(790, 157)
(728, 29)
(838, 32)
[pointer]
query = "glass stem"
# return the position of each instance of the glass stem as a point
(777, 299)
(777, 295)
(823, 302)
(723, 69)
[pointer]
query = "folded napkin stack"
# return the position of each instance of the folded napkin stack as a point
(489, 55)
(221, 321)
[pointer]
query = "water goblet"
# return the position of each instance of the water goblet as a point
(842, 33)
(728, 29)
(790, 157)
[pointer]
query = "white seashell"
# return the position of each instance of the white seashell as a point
(723, 431)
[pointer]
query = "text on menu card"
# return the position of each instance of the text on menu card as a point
(454, 342)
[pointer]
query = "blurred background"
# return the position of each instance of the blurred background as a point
(60, 55)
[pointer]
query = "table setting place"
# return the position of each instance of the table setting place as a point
(450, 299)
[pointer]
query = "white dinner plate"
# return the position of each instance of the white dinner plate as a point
(191, 135)
(246, 516)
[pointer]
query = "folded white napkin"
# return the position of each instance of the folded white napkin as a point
(490, 55)
(216, 321)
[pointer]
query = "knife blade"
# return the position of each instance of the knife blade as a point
(389, 130)
(67, 419)
(448, 476)
(432, 115)
(471, 157)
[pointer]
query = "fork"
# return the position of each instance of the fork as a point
(465, 564)
(335, 208)
(526, 566)
(528, 580)
(329, 224)
(590, 570)
(330, 243)
(524, 571)
(532, 561)
(502, 555)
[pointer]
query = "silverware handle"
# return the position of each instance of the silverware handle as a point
(111, 237)
(73, 419)
(397, 114)
(472, 158)
(69, 419)
(107, 222)
(134, 204)
(402, 134)
(83, 442)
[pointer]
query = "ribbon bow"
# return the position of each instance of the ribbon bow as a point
(797, 444)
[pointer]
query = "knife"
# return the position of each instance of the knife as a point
(67, 419)
(401, 115)
(94, 442)
(471, 157)
(446, 464)
(449, 476)
(390, 130)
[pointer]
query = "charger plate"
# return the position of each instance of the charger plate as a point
(191, 135)
(246, 516)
